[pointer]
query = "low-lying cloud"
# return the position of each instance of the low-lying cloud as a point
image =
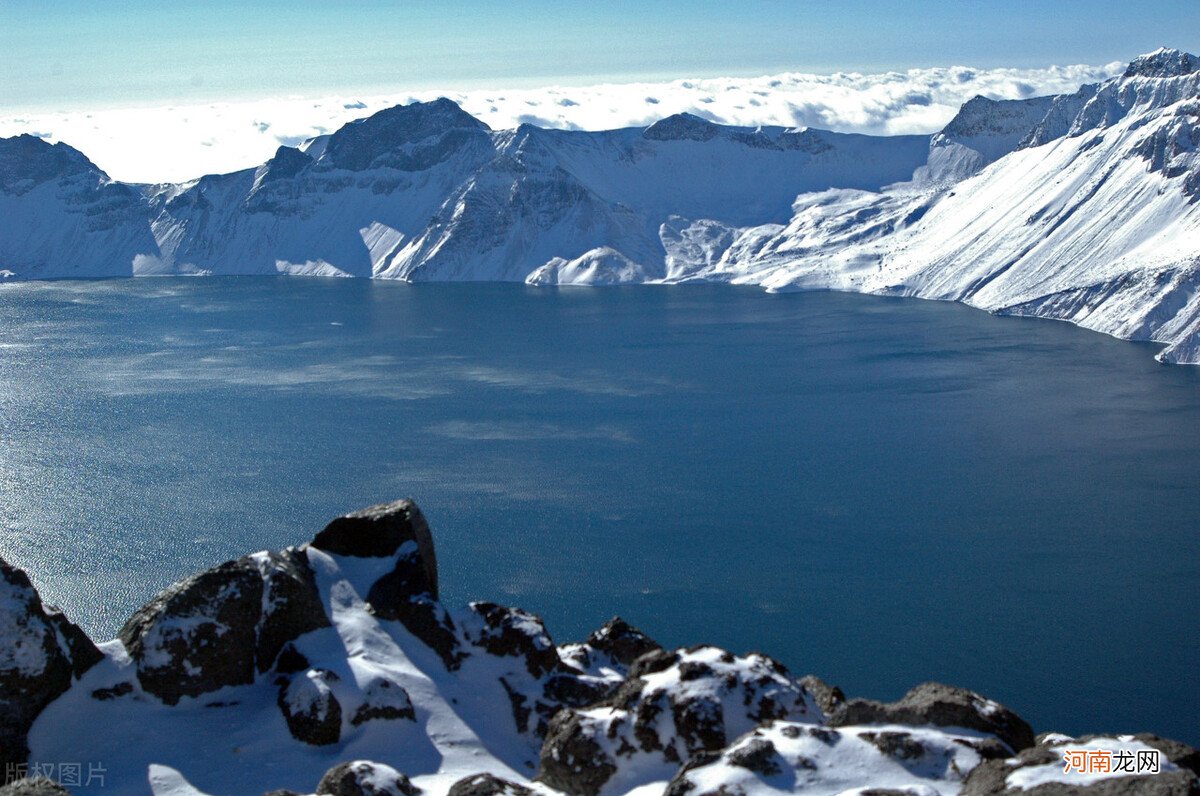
(180, 142)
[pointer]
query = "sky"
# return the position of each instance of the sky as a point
(99, 73)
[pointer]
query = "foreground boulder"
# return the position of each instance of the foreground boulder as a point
(227, 625)
(383, 700)
(41, 654)
(312, 712)
(671, 707)
(940, 706)
(364, 778)
(409, 592)
(224, 626)
(380, 531)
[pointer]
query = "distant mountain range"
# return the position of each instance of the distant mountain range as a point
(1077, 207)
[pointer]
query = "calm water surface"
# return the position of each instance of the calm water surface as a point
(880, 491)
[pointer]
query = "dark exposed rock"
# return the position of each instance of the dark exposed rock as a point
(572, 760)
(621, 641)
(520, 706)
(41, 653)
(653, 661)
(513, 632)
(424, 618)
(290, 660)
(393, 137)
(408, 593)
(699, 721)
(384, 700)
(900, 745)
(829, 697)
(81, 652)
(312, 712)
(487, 785)
(1163, 63)
(363, 778)
(27, 161)
(36, 786)
(291, 604)
(112, 692)
(681, 127)
(282, 792)
(198, 635)
(572, 691)
(221, 627)
(379, 531)
(287, 163)
(942, 706)
(988, 748)
(757, 755)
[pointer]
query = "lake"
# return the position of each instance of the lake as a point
(876, 490)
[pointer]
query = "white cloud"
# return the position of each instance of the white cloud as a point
(184, 141)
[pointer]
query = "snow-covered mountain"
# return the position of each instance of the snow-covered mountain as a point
(1080, 207)
(60, 216)
(332, 667)
(1092, 220)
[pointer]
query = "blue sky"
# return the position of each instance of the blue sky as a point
(72, 54)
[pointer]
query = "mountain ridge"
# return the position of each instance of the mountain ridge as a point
(426, 192)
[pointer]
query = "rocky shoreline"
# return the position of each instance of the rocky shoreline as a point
(338, 656)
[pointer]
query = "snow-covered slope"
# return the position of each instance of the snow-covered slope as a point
(1079, 207)
(333, 667)
(62, 216)
(1099, 226)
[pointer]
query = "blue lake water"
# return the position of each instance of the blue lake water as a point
(879, 491)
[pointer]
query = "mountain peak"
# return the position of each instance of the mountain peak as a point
(681, 127)
(28, 160)
(1163, 62)
(357, 145)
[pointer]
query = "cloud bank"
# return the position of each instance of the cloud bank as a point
(177, 143)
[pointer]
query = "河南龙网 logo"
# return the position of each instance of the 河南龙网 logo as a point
(1108, 761)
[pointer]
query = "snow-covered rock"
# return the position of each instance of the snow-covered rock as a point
(939, 705)
(41, 654)
(487, 785)
(364, 778)
(797, 758)
(671, 706)
(309, 670)
(223, 627)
